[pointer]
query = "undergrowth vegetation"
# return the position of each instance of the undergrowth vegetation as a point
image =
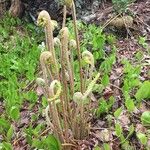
(62, 86)
(18, 62)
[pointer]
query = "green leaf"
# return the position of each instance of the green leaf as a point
(31, 96)
(37, 143)
(118, 129)
(4, 123)
(102, 108)
(142, 137)
(145, 118)
(1, 146)
(14, 113)
(96, 55)
(142, 41)
(7, 146)
(38, 129)
(52, 143)
(130, 105)
(131, 131)
(10, 133)
(106, 146)
(111, 102)
(44, 101)
(143, 92)
(118, 112)
(105, 80)
(97, 148)
(126, 146)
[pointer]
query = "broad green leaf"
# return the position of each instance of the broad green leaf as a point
(7, 146)
(111, 102)
(10, 133)
(126, 146)
(37, 143)
(102, 108)
(145, 118)
(1, 146)
(143, 92)
(106, 146)
(118, 129)
(131, 131)
(105, 80)
(97, 148)
(118, 112)
(14, 113)
(130, 105)
(44, 101)
(38, 129)
(4, 123)
(142, 138)
(52, 143)
(31, 96)
(96, 55)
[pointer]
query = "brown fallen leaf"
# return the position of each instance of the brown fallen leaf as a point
(39, 91)
(140, 128)
(108, 93)
(104, 135)
(124, 120)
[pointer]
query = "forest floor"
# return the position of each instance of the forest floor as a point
(130, 70)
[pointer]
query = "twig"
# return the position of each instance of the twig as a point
(45, 131)
(69, 144)
(98, 128)
(115, 86)
(109, 21)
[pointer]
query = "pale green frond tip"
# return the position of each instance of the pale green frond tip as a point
(64, 32)
(43, 18)
(54, 24)
(68, 3)
(57, 41)
(46, 57)
(91, 85)
(88, 57)
(72, 44)
(55, 90)
(77, 97)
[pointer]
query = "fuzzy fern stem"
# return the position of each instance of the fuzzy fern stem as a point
(78, 44)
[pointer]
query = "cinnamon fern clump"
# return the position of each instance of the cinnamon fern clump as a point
(68, 109)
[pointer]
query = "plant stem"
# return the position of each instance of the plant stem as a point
(71, 72)
(78, 44)
(64, 50)
(64, 16)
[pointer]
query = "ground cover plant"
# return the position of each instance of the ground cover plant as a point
(83, 89)
(19, 60)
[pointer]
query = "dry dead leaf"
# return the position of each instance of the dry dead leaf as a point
(108, 93)
(124, 120)
(39, 91)
(140, 128)
(104, 135)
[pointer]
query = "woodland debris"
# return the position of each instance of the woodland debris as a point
(105, 135)
(121, 22)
